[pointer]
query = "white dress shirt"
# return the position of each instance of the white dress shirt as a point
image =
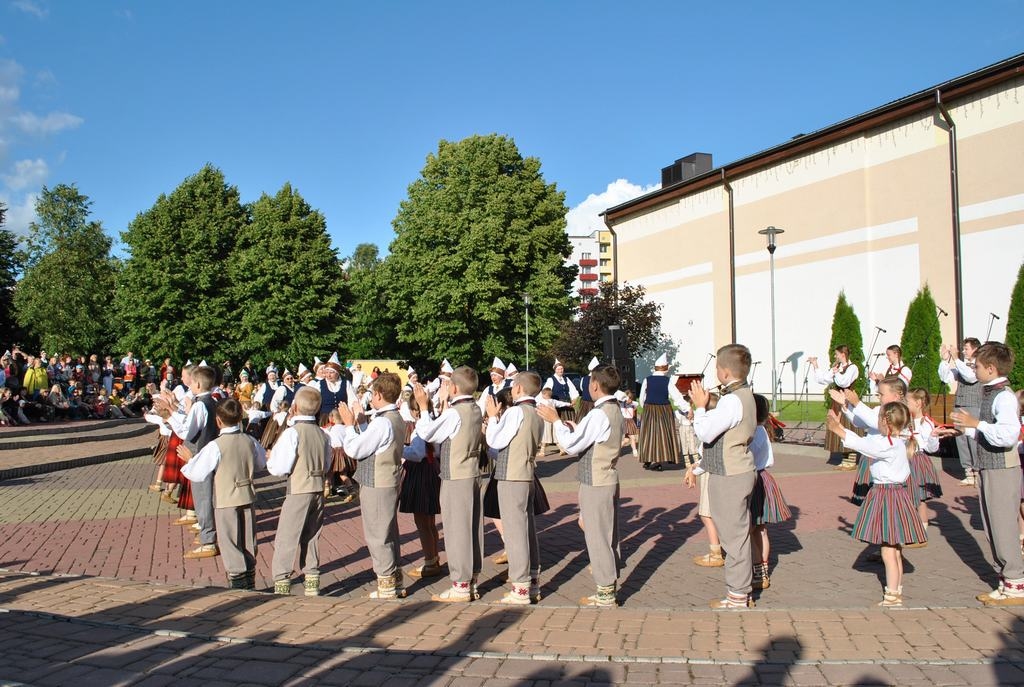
(843, 380)
(206, 461)
(761, 448)
(889, 464)
(924, 434)
(708, 425)
(959, 372)
(862, 416)
(501, 430)
(286, 450)
(592, 429)
(187, 427)
(278, 398)
(1005, 431)
(375, 438)
(444, 427)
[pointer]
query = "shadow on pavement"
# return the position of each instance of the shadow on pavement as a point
(960, 539)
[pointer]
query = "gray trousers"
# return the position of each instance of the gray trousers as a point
(515, 500)
(379, 509)
(202, 496)
(965, 446)
(1000, 503)
(730, 511)
(462, 516)
(236, 538)
(599, 508)
(298, 532)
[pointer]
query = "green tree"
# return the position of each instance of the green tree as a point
(922, 340)
(846, 331)
(174, 295)
(63, 298)
(1015, 330)
(367, 325)
(627, 306)
(10, 267)
(479, 228)
(288, 282)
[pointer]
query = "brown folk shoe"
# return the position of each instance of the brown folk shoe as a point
(203, 551)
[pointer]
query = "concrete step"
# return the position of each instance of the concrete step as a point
(131, 441)
(42, 434)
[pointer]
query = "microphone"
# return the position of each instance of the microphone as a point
(995, 316)
(756, 362)
(881, 330)
(712, 355)
(942, 312)
(878, 355)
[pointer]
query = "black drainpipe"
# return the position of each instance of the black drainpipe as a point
(732, 258)
(954, 184)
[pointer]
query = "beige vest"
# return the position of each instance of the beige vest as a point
(460, 453)
(736, 454)
(597, 466)
(516, 461)
(381, 470)
(314, 453)
(232, 480)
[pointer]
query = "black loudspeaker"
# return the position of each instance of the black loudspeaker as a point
(627, 374)
(616, 345)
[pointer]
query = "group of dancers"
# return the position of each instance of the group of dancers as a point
(896, 476)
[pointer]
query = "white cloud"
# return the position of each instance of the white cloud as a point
(27, 173)
(20, 213)
(45, 79)
(29, 7)
(585, 218)
(52, 123)
(9, 94)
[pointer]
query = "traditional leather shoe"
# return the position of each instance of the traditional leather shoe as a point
(203, 551)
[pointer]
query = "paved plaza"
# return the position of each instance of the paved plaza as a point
(94, 590)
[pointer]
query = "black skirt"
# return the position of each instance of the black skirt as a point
(420, 491)
(541, 504)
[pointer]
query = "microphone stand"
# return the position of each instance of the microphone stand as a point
(782, 366)
(711, 356)
(752, 371)
(878, 330)
(991, 320)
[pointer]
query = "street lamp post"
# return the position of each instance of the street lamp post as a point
(526, 308)
(771, 233)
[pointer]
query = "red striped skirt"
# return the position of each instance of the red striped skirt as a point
(924, 477)
(185, 501)
(172, 463)
(862, 482)
(889, 516)
(767, 505)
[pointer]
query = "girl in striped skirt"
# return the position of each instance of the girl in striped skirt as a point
(767, 505)
(924, 478)
(888, 516)
(420, 495)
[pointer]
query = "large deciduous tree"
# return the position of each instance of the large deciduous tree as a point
(63, 298)
(289, 284)
(368, 324)
(479, 228)
(10, 267)
(922, 340)
(174, 295)
(626, 306)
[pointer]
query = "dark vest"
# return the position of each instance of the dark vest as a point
(560, 391)
(585, 389)
(209, 431)
(329, 400)
(289, 394)
(968, 395)
(990, 456)
(657, 390)
(268, 395)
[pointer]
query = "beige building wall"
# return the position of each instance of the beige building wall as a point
(870, 215)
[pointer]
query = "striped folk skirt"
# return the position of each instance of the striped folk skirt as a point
(767, 505)
(659, 440)
(171, 473)
(833, 444)
(631, 429)
(566, 413)
(585, 407)
(341, 464)
(889, 516)
(270, 434)
(160, 452)
(924, 477)
(420, 490)
(862, 482)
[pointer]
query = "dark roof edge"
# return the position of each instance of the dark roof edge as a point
(957, 87)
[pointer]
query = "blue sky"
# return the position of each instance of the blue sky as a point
(345, 100)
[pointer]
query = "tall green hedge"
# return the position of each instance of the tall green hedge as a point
(846, 330)
(1015, 330)
(922, 340)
